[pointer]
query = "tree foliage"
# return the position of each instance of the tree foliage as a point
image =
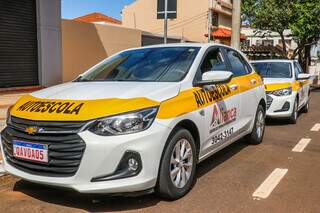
(302, 17)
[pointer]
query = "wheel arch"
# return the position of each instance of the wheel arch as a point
(263, 104)
(193, 129)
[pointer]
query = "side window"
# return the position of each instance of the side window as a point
(238, 64)
(213, 61)
(297, 69)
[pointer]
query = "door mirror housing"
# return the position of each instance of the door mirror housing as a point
(303, 76)
(215, 77)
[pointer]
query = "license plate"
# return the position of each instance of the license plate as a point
(30, 151)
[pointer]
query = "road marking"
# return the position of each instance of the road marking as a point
(303, 143)
(265, 189)
(315, 128)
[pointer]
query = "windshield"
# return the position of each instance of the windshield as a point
(164, 64)
(273, 69)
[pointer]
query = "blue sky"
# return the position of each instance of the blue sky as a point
(75, 8)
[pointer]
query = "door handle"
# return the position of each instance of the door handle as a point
(233, 87)
(253, 81)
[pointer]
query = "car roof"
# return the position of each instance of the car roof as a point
(204, 45)
(272, 60)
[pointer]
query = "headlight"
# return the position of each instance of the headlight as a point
(125, 123)
(281, 92)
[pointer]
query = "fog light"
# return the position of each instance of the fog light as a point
(133, 164)
(130, 165)
(285, 107)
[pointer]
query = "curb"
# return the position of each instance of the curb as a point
(20, 89)
(5, 106)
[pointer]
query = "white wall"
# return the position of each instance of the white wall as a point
(49, 42)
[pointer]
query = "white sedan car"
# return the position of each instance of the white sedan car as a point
(287, 87)
(139, 121)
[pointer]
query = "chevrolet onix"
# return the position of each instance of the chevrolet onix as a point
(139, 121)
(287, 87)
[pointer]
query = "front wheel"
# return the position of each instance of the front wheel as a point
(256, 136)
(178, 166)
(305, 108)
(294, 115)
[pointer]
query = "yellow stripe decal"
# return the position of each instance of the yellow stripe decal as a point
(32, 108)
(295, 85)
(277, 86)
(197, 98)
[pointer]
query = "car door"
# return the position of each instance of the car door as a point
(247, 82)
(301, 85)
(222, 113)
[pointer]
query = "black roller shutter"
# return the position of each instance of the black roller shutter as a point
(18, 43)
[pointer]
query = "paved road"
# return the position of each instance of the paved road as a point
(226, 182)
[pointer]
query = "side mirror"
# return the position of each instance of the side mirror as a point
(303, 76)
(215, 77)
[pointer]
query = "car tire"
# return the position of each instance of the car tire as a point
(177, 174)
(305, 108)
(294, 115)
(256, 136)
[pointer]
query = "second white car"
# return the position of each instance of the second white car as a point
(287, 88)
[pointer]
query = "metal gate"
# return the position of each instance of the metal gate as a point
(18, 43)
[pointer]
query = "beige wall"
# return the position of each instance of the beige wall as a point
(86, 44)
(191, 22)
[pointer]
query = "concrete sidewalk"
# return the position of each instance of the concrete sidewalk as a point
(6, 100)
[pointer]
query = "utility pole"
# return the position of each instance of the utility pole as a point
(210, 20)
(165, 21)
(209, 24)
(236, 23)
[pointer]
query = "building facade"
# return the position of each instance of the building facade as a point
(255, 37)
(191, 23)
(30, 43)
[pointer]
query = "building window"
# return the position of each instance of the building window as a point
(287, 41)
(267, 42)
(245, 43)
(215, 19)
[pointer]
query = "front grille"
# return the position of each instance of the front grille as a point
(269, 101)
(47, 127)
(65, 152)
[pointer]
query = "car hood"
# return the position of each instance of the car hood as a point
(89, 100)
(277, 83)
(105, 90)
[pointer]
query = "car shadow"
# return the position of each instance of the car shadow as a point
(104, 203)
(279, 122)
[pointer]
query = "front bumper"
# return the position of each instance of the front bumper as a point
(277, 106)
(102, 156)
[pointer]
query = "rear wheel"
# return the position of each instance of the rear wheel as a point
(257, 133)
(178, 166)
(294, 115)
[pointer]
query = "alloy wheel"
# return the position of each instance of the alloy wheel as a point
(181, 163)
(260, 123)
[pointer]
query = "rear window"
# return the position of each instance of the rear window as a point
(273, 69)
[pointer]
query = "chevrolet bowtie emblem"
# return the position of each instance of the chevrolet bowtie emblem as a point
(31, 130)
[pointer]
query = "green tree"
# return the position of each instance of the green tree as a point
(301, 16)
(274, 15)
(305, 28)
